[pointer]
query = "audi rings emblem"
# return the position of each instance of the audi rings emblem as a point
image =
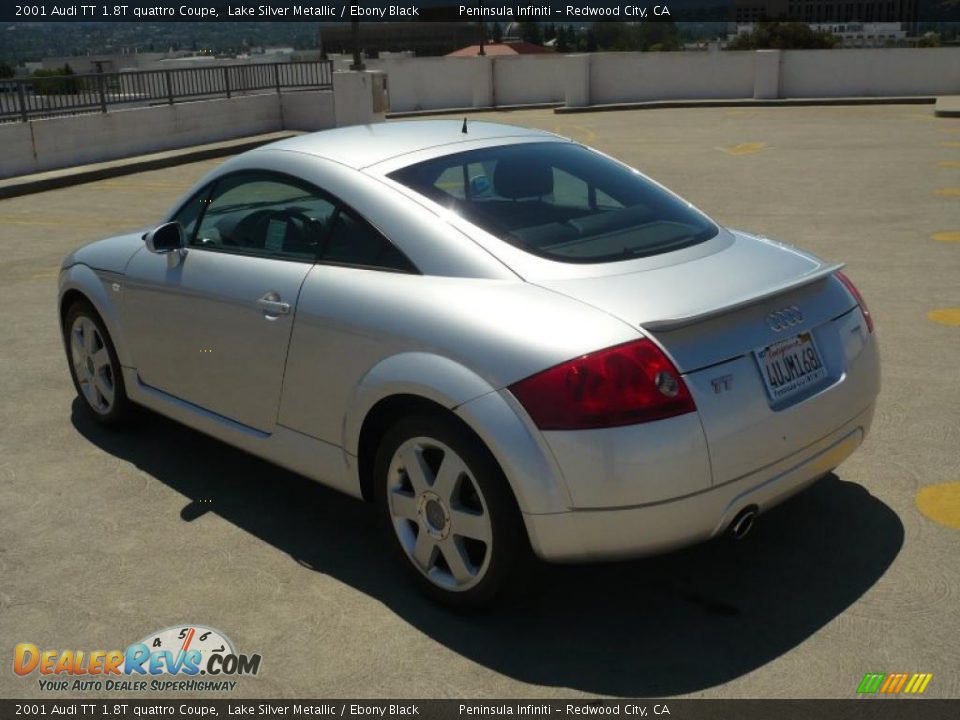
(782, 319)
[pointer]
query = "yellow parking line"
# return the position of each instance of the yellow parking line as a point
(952, 144)
(748, 148)
(941, 503)
(591, 136)
(945, 316)
(950, 163)
(142, 186)
(948, 192)
(948, 236)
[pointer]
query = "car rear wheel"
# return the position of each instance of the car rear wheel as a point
(94, 367)
(448, 511)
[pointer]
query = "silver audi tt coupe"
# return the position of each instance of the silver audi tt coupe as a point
(507, 341)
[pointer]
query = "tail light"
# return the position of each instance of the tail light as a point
(847, 283)
(622, 385)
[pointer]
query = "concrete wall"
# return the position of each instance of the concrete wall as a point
(598, 78)
(16, 139)
(527, 79)
(873, 72)
(631, 77)
(353, 98)
(430, 83)
(41, 145)
(434, 83)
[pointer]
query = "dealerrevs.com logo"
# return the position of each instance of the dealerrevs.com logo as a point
(185, 657)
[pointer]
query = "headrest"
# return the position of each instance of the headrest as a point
(522, 177)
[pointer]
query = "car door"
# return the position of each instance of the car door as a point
(213, 329)
(344, 324)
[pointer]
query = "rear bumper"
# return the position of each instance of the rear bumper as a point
(605, 534)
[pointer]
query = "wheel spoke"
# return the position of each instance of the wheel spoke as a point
(80, 365)
(101, 358)
(86, 335)
(104, 386)
(424, 552)
(90, 393)
(76, 345)
(455, 561)
(403, 505)
(416, 468)
(451, 468)
(471, 525)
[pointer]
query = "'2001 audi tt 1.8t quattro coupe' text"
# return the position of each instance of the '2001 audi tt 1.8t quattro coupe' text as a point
(505, 340)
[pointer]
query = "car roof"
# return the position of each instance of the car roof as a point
(359, 146)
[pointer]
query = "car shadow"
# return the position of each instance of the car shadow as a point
(674, 624)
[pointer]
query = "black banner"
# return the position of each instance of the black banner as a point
(550, 11)
(861, 709)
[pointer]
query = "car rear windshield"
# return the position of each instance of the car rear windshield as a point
(559, 200)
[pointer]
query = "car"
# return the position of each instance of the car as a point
(513, 345)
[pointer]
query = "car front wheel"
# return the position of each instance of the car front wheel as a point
(448, 510)
(94, 367)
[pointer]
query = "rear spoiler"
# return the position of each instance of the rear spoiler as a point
(678, 322)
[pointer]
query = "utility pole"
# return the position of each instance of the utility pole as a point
(483, 30)
(357, 59)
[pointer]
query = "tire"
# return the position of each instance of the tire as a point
(448, 511)
(95, 369)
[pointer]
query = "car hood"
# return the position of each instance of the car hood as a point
(110, 254)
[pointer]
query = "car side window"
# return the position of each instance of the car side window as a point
(354, 241)
(190, 213)
(267, 215)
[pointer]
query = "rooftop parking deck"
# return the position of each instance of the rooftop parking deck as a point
(106, 537)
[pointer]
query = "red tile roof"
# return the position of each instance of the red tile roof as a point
(518, 47)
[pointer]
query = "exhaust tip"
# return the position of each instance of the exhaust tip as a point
(743, 523)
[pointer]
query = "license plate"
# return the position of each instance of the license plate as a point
(790, 366)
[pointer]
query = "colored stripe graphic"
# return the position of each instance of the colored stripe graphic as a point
(919, 681)
(894, 683)
(871, 682)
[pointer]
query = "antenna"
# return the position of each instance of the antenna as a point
(464, 128)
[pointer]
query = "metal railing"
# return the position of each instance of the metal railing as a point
(50, 96)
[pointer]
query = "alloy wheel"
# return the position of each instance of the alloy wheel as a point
(91, 364)
(439, 514)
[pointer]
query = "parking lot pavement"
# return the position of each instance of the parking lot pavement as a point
(105, 538)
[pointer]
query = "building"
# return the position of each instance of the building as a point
(854, 34)
(423, 38)
(826, 11)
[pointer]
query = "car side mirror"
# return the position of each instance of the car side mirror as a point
(164, 238)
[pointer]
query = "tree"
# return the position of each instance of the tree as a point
(590, 41)
(783, 36)
(6, 71)
(55, 81)
(658, 36)
(497, 32)
(530, 31)
(611, 35)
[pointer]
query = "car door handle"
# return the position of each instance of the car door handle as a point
(271, 304)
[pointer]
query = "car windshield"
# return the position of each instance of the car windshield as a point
(561, 201)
